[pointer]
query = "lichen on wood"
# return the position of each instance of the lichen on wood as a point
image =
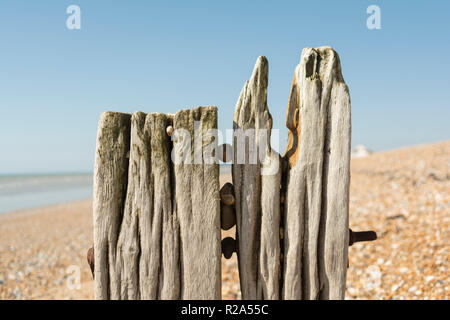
(147, 245)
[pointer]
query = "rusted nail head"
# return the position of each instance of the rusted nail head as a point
(227, 194)
(227, 217)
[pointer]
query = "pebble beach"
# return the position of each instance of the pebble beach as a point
(403, 195)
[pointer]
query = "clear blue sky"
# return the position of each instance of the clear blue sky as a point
(167, 55)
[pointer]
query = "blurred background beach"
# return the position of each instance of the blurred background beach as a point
(159, 56)
(29, 191)
(402, 194)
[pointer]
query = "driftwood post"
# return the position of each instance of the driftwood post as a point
(257, 195)
(317, 179)
(156, 222)
(299, 252)
(157, 201)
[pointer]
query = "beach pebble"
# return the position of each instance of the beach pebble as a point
(18, 294)
(352, 291)
(395, 287)
(412, 289)
(27, 271)
(19, 276)
(403, 270)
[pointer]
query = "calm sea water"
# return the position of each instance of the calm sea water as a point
(30, 191)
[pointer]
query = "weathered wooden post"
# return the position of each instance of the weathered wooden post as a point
(317, 179)
(156, 221)
(257, 195)
(292, 226)
(158, 209)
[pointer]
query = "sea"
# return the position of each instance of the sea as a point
(19, 192)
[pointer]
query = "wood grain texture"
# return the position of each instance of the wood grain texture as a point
(163, 193)
(335, 211)
(316, 209)
(147, 244)
(157, 200)
(110, 184)
(269, 252)
(138, 205)
(257, 194)
(197, 203)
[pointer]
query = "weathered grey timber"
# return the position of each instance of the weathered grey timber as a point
(110, 184)
(303, 256)
(317, 179)
(256, 194)
(198, 206)
(269, 252)
(162, 172)
(150, 240)
(158, 209)
(333, 249)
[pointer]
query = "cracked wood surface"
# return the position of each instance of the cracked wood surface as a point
(317, 179)
(149, 242)
(157, 223)
(256, 178)
(300, 252)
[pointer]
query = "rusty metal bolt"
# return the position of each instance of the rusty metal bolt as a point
(227, 194)
(228, 247)
(227, 210)
(227, 216)
(361, 236)
(90, 259)
(225, 152)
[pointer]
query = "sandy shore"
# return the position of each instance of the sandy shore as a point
(38, 246)
(404, 196)
(401, 194)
